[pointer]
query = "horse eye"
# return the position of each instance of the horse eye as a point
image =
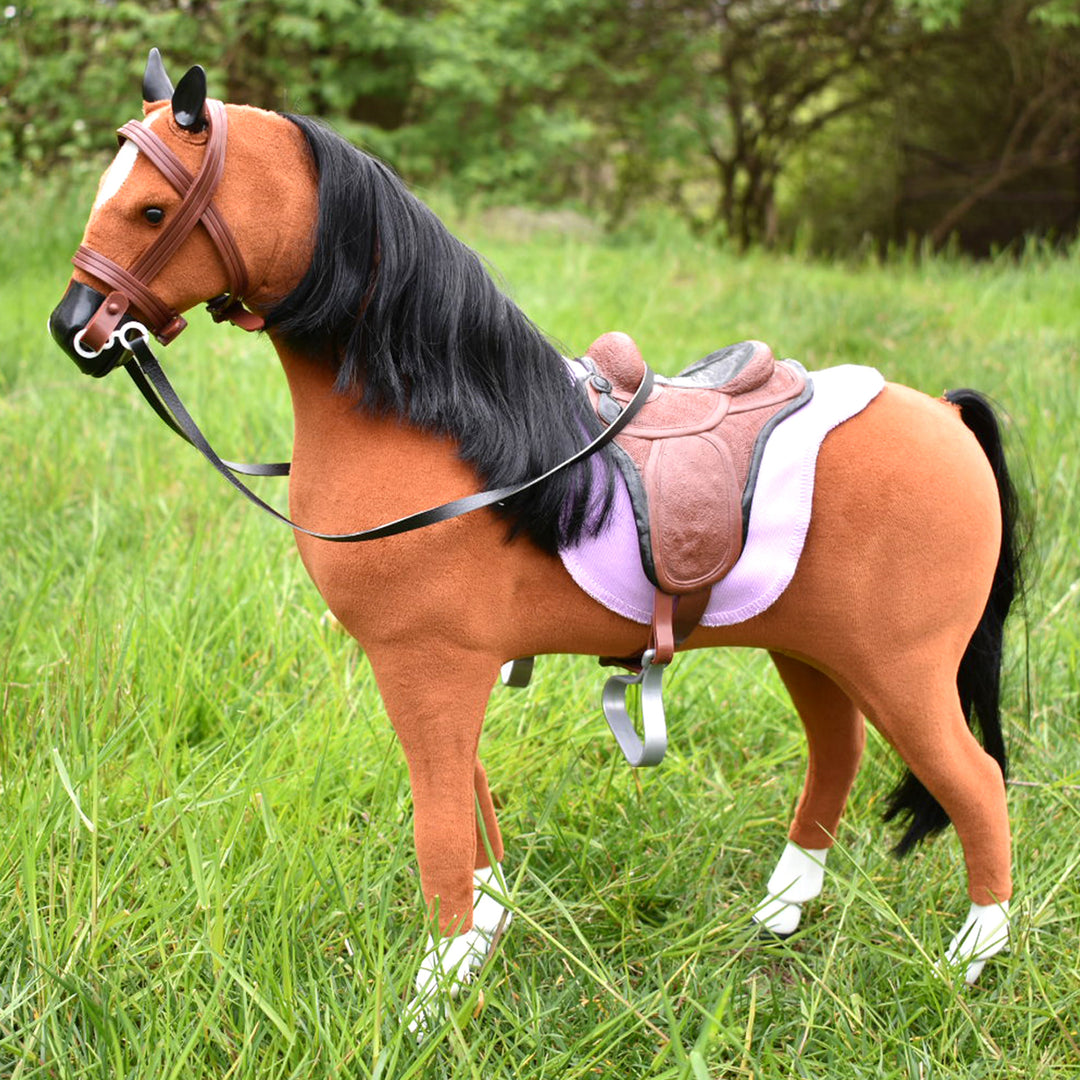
(154, 214)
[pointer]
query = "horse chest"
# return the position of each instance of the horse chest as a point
(351, 472)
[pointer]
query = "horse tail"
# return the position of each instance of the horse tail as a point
(978, 678)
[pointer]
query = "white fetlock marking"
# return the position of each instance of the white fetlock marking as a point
(797, 879)
(984, 934)
(449, 963)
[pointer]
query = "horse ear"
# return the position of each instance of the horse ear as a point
(189, 98)
(156, 84)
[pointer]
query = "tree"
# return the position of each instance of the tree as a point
(941, 109)
(999, 149)
(780, 73)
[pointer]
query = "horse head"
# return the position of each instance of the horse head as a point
(203, 203)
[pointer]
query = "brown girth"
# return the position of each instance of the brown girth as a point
(131, 287)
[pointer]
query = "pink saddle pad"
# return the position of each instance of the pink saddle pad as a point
(608, 566)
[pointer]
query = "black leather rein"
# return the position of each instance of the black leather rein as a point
(148, 376)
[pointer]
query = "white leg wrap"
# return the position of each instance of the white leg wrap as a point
(985, 933)
(449, 963)
(798, 878)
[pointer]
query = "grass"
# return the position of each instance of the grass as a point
(205, 841)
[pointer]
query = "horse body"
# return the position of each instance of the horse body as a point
(459, 600)
(900, 561)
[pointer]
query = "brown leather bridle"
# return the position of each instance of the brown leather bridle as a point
(131, 288)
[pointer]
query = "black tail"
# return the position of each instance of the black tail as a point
(979, 677)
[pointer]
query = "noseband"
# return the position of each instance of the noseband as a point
(131, 287)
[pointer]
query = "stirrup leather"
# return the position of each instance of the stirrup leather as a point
(674, 619)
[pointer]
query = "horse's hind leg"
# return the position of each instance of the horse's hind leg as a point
(490, 917)
(489, 847)
(924, 721)
(835, 737)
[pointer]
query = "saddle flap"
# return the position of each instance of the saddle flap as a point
(690, 522)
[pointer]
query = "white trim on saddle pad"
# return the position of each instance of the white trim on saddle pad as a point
(608, 566)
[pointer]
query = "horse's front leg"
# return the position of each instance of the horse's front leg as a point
(436, 697)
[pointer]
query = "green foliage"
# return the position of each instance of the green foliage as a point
(936, 14)
(71, 70)
(494, 103)
(754, 119)
(827, 204)
(941, 14)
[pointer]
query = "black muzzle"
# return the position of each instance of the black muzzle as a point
(78, 307)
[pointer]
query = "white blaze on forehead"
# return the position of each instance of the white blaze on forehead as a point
(121, 167)
(116, 174)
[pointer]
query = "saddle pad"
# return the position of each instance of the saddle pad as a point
(608, 566)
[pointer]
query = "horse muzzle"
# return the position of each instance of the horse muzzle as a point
(71, 316)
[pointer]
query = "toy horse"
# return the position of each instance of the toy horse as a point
(414, 381)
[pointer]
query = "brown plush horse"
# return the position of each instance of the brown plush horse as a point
(414, 381)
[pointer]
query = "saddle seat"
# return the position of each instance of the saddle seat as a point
(690, 456)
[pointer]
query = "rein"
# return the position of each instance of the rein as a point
(148, 376)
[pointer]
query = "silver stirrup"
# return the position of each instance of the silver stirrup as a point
(651, 749)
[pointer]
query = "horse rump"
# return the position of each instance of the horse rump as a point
(978, 678)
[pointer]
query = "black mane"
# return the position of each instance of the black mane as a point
(421, 332)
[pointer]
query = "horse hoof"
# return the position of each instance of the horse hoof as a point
(984, 934)
(777, 918)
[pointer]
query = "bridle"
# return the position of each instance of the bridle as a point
(131, 287)
(132, 291)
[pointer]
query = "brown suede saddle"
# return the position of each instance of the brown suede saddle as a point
(690, 460)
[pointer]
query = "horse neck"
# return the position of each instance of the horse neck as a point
(352, 469)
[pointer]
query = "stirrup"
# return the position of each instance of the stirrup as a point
(650, 749)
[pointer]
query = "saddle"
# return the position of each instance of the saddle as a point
(690, 460)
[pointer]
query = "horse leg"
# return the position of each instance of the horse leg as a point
(835, 737)
(490, 916)
(925, 723)
(488, 838)
(438, 721)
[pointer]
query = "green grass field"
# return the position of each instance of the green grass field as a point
(205, 836)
